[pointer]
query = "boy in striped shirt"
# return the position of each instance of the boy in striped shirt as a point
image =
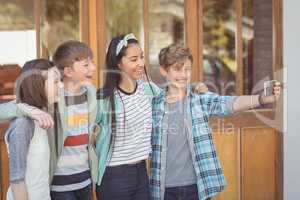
(70, 159)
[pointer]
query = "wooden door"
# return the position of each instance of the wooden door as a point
(4, 178)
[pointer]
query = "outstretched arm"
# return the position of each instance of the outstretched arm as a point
(215, 104)
(243, 103)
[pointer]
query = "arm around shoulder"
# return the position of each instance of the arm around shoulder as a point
(151, 88)
(13, 109)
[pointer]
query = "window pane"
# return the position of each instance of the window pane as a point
(17, 31)
(18, 42)
(60, 22)
(166, 26)
(258, 44)
(125, 16)
(219, 29)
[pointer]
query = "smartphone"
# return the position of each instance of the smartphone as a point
(268, 87)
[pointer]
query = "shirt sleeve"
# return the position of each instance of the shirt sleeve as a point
(13, 109)
(216, 105)
(152, 89)
(19, 136)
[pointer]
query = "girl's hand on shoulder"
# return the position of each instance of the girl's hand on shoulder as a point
(201, 88)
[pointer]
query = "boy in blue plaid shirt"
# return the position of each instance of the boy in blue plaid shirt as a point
(184, 163)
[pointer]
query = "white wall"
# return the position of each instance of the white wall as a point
(292, 103)
(17, 47)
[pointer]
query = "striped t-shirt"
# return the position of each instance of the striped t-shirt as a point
(132, 142)
(73, 171)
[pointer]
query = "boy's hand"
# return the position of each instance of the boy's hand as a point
(201, 88)
(43, 118)
(272, 98)
(95, 132)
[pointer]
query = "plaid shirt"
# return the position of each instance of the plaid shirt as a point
(200, 107)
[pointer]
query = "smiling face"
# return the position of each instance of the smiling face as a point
(52, 85)
(178, 75)
(132, 63)
(81, 72)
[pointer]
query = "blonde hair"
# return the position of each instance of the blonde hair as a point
(174, 53)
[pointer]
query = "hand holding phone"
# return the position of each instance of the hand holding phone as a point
(268, 87)
(272, 92)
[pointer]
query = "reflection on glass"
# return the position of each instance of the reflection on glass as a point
(258, 44)
(166, 26)
(17, 40)
(17, 31)
(248, 38)
(219, 31)
(60, 23)
(16, 15)
(125, 16)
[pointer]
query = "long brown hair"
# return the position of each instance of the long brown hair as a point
(113, 78)
(30, 87)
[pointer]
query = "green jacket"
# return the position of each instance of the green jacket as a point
(103, 141)
(12, 109)
(56, 143)
(57, 135)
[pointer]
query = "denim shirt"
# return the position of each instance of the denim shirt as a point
(17, 138)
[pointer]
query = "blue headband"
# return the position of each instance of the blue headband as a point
(124, 42)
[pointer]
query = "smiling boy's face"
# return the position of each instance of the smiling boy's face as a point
(178, 75)
(81, 71)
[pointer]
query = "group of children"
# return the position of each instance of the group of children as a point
(65, 137)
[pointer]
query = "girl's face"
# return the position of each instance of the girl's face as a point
(52, 85)
(132, 64)
(178, 76)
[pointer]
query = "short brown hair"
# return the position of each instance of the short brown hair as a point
(69, 52)
(174, 53)
(30, 87)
